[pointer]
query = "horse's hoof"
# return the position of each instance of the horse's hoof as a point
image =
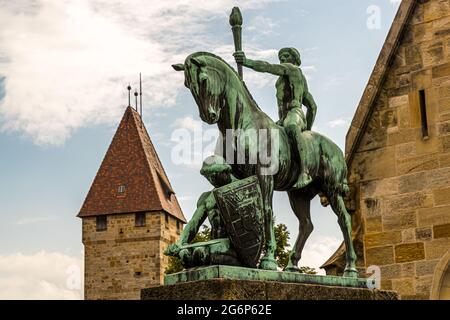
(351, 273)
(268, 264)
(292, 269)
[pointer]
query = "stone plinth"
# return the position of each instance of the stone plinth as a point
(231, 289)
(236, 283)
(241, 273)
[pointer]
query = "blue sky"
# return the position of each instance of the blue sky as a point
(64, 68)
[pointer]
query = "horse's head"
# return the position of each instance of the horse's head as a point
(205, 76)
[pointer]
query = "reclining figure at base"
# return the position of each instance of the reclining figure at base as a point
(219, 249)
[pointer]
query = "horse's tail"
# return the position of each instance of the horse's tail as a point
(341, 183)
(337, 186)
(344, 187)
(334, 169)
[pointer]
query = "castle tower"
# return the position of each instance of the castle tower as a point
(130, 215)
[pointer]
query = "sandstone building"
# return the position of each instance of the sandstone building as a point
(398, 153)
(129, 216)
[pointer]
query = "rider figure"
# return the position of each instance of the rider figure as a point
(292, 93)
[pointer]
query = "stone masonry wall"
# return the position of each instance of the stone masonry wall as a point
(124, 258)
(403, 180)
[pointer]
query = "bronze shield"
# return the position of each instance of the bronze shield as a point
(241, 209)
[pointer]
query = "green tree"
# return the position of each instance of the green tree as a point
(204, 235)
(307, 270)
(174, 265)
(282, 250)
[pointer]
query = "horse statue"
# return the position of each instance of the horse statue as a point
(223, 99)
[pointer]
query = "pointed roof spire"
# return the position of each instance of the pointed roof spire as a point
(140, 92)
(131, 177)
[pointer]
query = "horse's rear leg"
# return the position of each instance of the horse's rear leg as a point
(300, 204)
(344, 219)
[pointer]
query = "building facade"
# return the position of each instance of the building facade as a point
(398, 154)
(130, 215)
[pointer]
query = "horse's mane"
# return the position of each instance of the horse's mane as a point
(199, 53)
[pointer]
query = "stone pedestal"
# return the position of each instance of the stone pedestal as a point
(234, 283)
(230, 289)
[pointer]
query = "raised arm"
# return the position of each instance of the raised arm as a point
(192, 227)
(260, 66)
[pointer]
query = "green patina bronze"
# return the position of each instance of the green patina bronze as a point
(292, 92)
(299, 161)
(218, 250)
(235, 211)
(229, 272)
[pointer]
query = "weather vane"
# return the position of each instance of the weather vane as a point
(129, 98)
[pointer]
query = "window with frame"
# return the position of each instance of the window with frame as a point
(121, 189)
(101, 223)
(139, 219)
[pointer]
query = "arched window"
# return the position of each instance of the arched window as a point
(444, 292)
(441, 282)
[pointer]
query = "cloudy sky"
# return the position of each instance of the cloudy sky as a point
(64, 68)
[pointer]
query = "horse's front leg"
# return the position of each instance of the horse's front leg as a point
(268, 262)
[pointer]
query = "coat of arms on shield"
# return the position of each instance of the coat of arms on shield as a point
(241, 209)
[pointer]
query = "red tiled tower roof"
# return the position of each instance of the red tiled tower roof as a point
(132, 162)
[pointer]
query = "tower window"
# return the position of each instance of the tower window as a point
(423, 114)
(139, 219)
(101, 223)
(167, 220)
(121, 189)
(178, 226)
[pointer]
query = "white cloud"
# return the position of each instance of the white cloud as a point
(317, 251)
(338, 123)
(261, 26)
(44, 275)
(188, 123)
(66, 63)
(185, 198)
